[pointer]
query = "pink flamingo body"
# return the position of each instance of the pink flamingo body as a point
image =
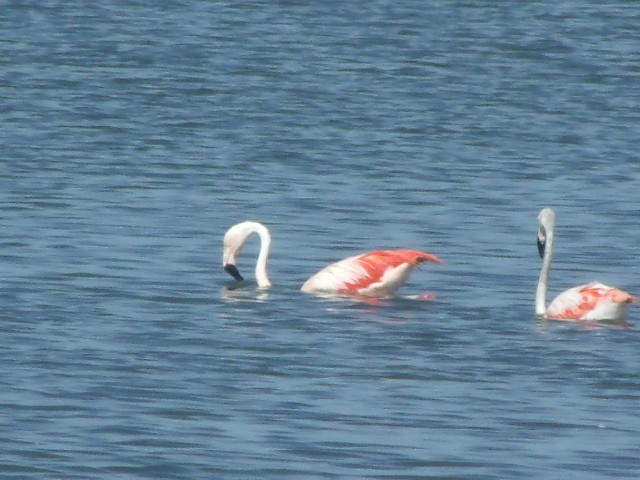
(593, 301)
(374, 274)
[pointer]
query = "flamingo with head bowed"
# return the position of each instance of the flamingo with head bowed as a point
(593, 301)
(374, 274)
(235, 239)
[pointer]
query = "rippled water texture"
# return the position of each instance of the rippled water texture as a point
(133, 135)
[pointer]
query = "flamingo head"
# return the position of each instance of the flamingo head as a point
(546, 222)
(233, 271)
(234, 240)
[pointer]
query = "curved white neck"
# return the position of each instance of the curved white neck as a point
(261, 265)
(541, 291)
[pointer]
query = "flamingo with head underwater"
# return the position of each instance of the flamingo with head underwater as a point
(375, 274)
(592, 301)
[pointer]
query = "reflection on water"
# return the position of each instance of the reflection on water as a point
(544, 324)
(244, 292)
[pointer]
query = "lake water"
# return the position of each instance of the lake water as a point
(133, 135)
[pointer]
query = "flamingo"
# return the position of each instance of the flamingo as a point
(592, 301)
(374, 274)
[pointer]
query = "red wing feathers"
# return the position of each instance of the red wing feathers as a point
(590, 296)
(375, 264)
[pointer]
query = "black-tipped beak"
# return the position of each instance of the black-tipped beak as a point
(232, 270)
(541, 245)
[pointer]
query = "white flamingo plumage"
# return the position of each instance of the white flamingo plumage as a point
(374, 274)
(235, 239)
(592, 301)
